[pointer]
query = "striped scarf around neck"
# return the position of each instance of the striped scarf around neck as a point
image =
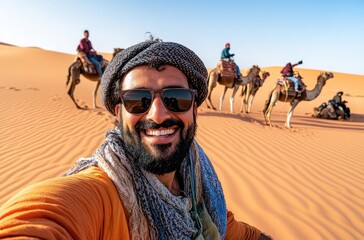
(155, 213)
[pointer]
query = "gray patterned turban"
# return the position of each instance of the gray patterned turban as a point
(153, 54)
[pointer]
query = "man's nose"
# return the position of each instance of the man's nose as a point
(158, 112)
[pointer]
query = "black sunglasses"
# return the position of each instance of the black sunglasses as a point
(137, 101)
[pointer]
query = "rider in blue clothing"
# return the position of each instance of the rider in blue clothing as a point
(225, 55)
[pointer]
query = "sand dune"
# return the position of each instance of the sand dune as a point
(300, 183)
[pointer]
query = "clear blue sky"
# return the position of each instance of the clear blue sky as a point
(325, 34)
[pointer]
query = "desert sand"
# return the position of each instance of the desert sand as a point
(301, 183)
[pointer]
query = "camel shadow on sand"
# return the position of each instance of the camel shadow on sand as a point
(355, 123)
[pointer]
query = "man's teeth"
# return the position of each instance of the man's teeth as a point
(160, 132)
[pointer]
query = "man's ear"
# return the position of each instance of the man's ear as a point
(117, 111)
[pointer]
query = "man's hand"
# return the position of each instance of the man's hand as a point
(300, 62)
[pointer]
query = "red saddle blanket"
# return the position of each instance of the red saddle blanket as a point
(87, 65)
(226, 69)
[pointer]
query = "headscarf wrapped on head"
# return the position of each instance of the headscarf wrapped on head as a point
(153, 54)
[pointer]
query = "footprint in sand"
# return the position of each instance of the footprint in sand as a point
(14, 88)
(33, 88)
(56, 98)
(109, 118)
(82, 104)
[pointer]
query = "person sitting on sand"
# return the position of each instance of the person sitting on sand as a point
(341, 103)
(150, 179)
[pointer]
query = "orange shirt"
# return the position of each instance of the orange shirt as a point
(81, 206)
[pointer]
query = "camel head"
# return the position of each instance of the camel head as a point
(116, 51)
(265, 75)
(329, 75)
(255, 70)
(324, 77)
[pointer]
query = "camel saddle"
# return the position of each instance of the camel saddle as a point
(226, 69)
(227, 73)
(289, 86)
(87, 65)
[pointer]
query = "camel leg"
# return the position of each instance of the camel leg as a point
(222, 98)
(250, 103)
(268, 107)
(75, 79)
(70, 93)
(95, 93)
(246, 103)
(209, 99)
(287, 124)
(208, 106)
(267, 116)
(232, 98)
(290, 113)
(242, 108)
(212, 83)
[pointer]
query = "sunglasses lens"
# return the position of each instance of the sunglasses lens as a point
(177, 100)
(137, 101)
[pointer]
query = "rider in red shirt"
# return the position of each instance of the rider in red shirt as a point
(86, 46)
(287, 72)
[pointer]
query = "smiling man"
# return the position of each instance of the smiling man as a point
(150, 179)
(159, 137)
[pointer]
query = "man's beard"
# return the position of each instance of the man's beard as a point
(163, 161)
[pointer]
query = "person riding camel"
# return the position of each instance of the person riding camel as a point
(86, 47)
(288, 73)
(226, 56)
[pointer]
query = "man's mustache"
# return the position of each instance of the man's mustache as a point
(147, 124)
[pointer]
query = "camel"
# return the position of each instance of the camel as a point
(75, 70)
(279, 93)
(214, 78)
(329, 113)
(249, 91)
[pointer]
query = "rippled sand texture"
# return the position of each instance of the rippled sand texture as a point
(300, 183)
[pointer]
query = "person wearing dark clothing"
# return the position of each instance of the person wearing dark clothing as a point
(226, 56)
(340, 103)
(338, 97)
(86, 46)
(287, 72)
